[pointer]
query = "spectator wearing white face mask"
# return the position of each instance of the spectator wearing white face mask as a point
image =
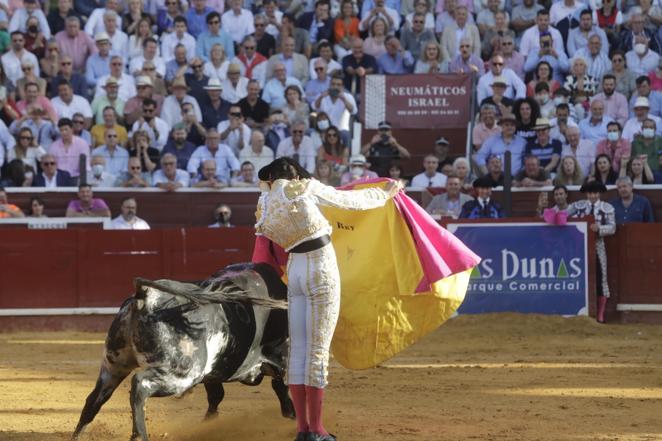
(358, 170)
(648, 145)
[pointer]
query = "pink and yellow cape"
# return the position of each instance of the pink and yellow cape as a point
(402, 276)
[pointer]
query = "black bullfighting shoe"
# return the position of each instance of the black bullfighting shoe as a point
(317, 437)
(301, 436)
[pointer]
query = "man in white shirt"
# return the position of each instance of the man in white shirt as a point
(582, 149)
(100, 176)
(391, 16)
(564, 8)
(256, 153)
(181, 36)
(171, 111)
(128, 219)
(227, 164)
(13, 60)
(298, 147)
(234, 132)
(119, 41)
(326, 53)
(235, 85)
(20, 17)
(246, 177)
(238, 22)
(169, 177)
(515, 87)
(598, 63)
(66, 104)
(126, 82)
(531, 38)
(430, 176)
(150, 47)
(338, 104)
(157, 129)
(641, 113)
(95, 21)
(641, 59)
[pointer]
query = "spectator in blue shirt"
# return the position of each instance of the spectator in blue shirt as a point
(197, 16)
(630, 207)
(98, 65)
(497, 145)
(546, 149)
(214, 34)
(395, 61)
(594, 126)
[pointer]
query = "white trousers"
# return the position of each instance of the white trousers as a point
(314, 303)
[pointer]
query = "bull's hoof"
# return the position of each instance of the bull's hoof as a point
(287, 410)
(210, 415)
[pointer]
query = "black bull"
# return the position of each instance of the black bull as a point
(231, 328)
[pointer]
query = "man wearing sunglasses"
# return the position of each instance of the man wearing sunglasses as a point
(298, 147)
(50, 176)
(234, 132)
(252, 64)
(515, 87)
(126, 82)
(338, 104)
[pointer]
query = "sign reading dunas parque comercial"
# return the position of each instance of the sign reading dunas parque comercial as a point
(527, 267)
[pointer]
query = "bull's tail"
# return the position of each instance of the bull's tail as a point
(214, 291)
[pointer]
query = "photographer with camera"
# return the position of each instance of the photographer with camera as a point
(383, 149)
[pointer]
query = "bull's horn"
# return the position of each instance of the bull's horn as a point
(141, 284)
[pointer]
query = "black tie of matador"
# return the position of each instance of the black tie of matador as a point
(485, 209)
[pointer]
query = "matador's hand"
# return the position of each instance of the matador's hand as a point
(393, 187)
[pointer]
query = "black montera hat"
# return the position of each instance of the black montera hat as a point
(593, 187)
(483, 182)
(266, 172)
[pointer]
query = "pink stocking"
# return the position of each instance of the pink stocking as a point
(298, 393)
(314, 398)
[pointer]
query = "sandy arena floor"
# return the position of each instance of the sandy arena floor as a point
(491, 377)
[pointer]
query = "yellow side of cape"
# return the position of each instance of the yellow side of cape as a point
(380, 312)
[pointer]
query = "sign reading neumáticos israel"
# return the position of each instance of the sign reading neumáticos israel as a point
(420, 101)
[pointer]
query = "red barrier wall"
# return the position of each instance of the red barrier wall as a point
(94, 268)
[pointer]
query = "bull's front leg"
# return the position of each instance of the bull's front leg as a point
(286, 406)
(215, 394)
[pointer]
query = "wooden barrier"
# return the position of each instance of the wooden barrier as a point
(94, 269)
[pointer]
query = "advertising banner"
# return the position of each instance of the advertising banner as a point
(528, 268)
(422, 101)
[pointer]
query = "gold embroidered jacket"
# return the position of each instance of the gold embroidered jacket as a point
(288, 213)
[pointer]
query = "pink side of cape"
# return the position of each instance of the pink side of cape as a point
(441, 254)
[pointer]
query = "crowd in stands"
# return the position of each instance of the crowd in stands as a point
(175, 94)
